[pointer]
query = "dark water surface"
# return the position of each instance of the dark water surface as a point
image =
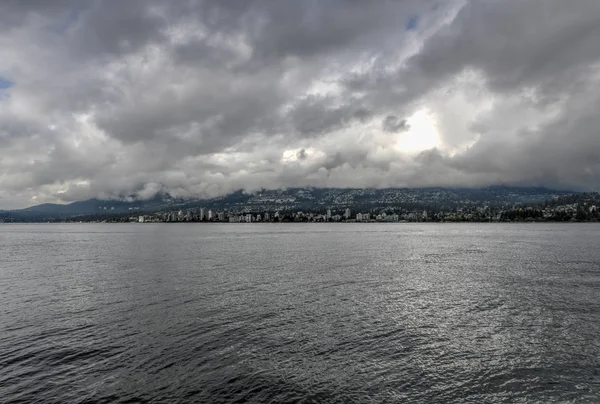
(300, 313)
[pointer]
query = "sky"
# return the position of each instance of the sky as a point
(124, 99)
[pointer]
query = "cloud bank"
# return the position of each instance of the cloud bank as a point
(200, 98)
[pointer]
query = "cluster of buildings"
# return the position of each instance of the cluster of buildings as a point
(208, 215)
(573, 212)
(558, 212)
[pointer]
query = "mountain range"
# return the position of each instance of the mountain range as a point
(306, 199)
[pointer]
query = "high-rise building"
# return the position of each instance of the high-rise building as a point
(202, 214)
(267, 217)
(347, 214)
(359, 217)
(210, 215)
(328, 214)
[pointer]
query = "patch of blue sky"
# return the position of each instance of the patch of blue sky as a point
(4, 83)
(413, 23)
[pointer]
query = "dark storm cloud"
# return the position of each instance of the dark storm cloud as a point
(97, 30)
(516, 44)
(392, 123)
(319, 115)
(14, 13)
(109, 99)
(301, 154)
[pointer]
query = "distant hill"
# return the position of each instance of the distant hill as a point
(308, 199)
(51, 211)
(92, 206)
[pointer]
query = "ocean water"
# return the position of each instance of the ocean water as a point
(305, 313)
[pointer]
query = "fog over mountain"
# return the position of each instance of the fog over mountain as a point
(106, 99)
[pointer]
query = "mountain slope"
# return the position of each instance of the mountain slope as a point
(313, 199)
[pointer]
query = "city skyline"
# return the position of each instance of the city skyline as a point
(328, 205)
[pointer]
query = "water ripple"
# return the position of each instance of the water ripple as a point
(293, 313)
